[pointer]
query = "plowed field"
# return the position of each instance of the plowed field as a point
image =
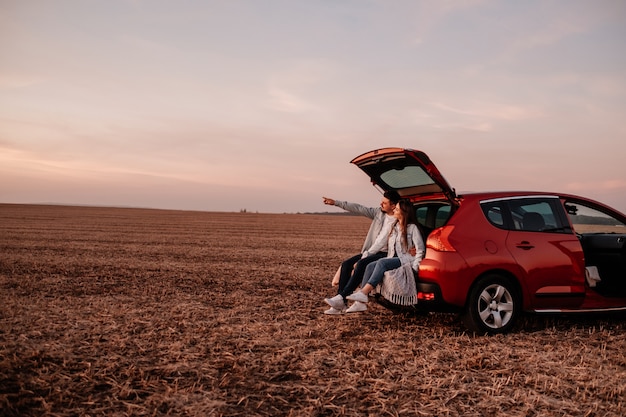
(109, 311)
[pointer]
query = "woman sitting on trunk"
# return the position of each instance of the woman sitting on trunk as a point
(404, 237)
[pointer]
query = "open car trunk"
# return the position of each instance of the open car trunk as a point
(409, 172)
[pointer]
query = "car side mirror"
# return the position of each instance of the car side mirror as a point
(571, 209)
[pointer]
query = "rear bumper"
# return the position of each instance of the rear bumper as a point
(443, 274)
(429, 298)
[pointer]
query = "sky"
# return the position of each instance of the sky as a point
(252, 105)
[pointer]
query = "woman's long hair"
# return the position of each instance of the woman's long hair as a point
(407, 217)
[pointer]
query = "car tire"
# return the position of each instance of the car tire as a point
(493, 305)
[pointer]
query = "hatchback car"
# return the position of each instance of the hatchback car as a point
(493, 255)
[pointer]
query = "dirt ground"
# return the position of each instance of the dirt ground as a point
(109, 311)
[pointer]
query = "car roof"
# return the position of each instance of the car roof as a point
(413, 175)
(571, 198)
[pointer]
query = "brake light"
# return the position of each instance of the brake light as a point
(438, 239)
(426, 296)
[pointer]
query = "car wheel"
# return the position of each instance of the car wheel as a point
(493, 305)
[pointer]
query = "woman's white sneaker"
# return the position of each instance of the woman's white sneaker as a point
(356, 307)
(358, 296)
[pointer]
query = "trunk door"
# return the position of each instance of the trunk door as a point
(409, 172)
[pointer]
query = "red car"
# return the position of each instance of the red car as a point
(493, 255)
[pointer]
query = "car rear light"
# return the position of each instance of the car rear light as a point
(438, 239)
(426, 296)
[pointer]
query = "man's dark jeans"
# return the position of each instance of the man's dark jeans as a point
(351, 275)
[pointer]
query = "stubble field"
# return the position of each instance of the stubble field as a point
(108, 311)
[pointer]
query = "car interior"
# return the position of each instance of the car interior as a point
(432, 215)
(607, 253)
(603, 240)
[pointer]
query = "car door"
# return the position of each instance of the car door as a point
(602, 234)
(548, 253)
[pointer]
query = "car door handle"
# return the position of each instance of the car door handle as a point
(524, 244)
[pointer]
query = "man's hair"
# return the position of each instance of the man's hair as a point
(392, 196)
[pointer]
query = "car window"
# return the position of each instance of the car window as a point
(432, 216)
(494, 215)
(586, 219)
(408, 176)
(421, 213)
(533, 214)
(442, 216)
(493, 211)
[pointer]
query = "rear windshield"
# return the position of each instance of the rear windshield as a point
(409, 176)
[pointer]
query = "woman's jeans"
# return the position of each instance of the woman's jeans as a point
(375, 271)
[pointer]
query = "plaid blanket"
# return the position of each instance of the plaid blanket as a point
(398, 286)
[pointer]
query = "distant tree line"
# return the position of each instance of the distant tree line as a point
(583, 219)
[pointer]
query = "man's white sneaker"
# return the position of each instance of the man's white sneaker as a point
(356, 307)
(358, 296)
(336, 302)
(333, 311)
